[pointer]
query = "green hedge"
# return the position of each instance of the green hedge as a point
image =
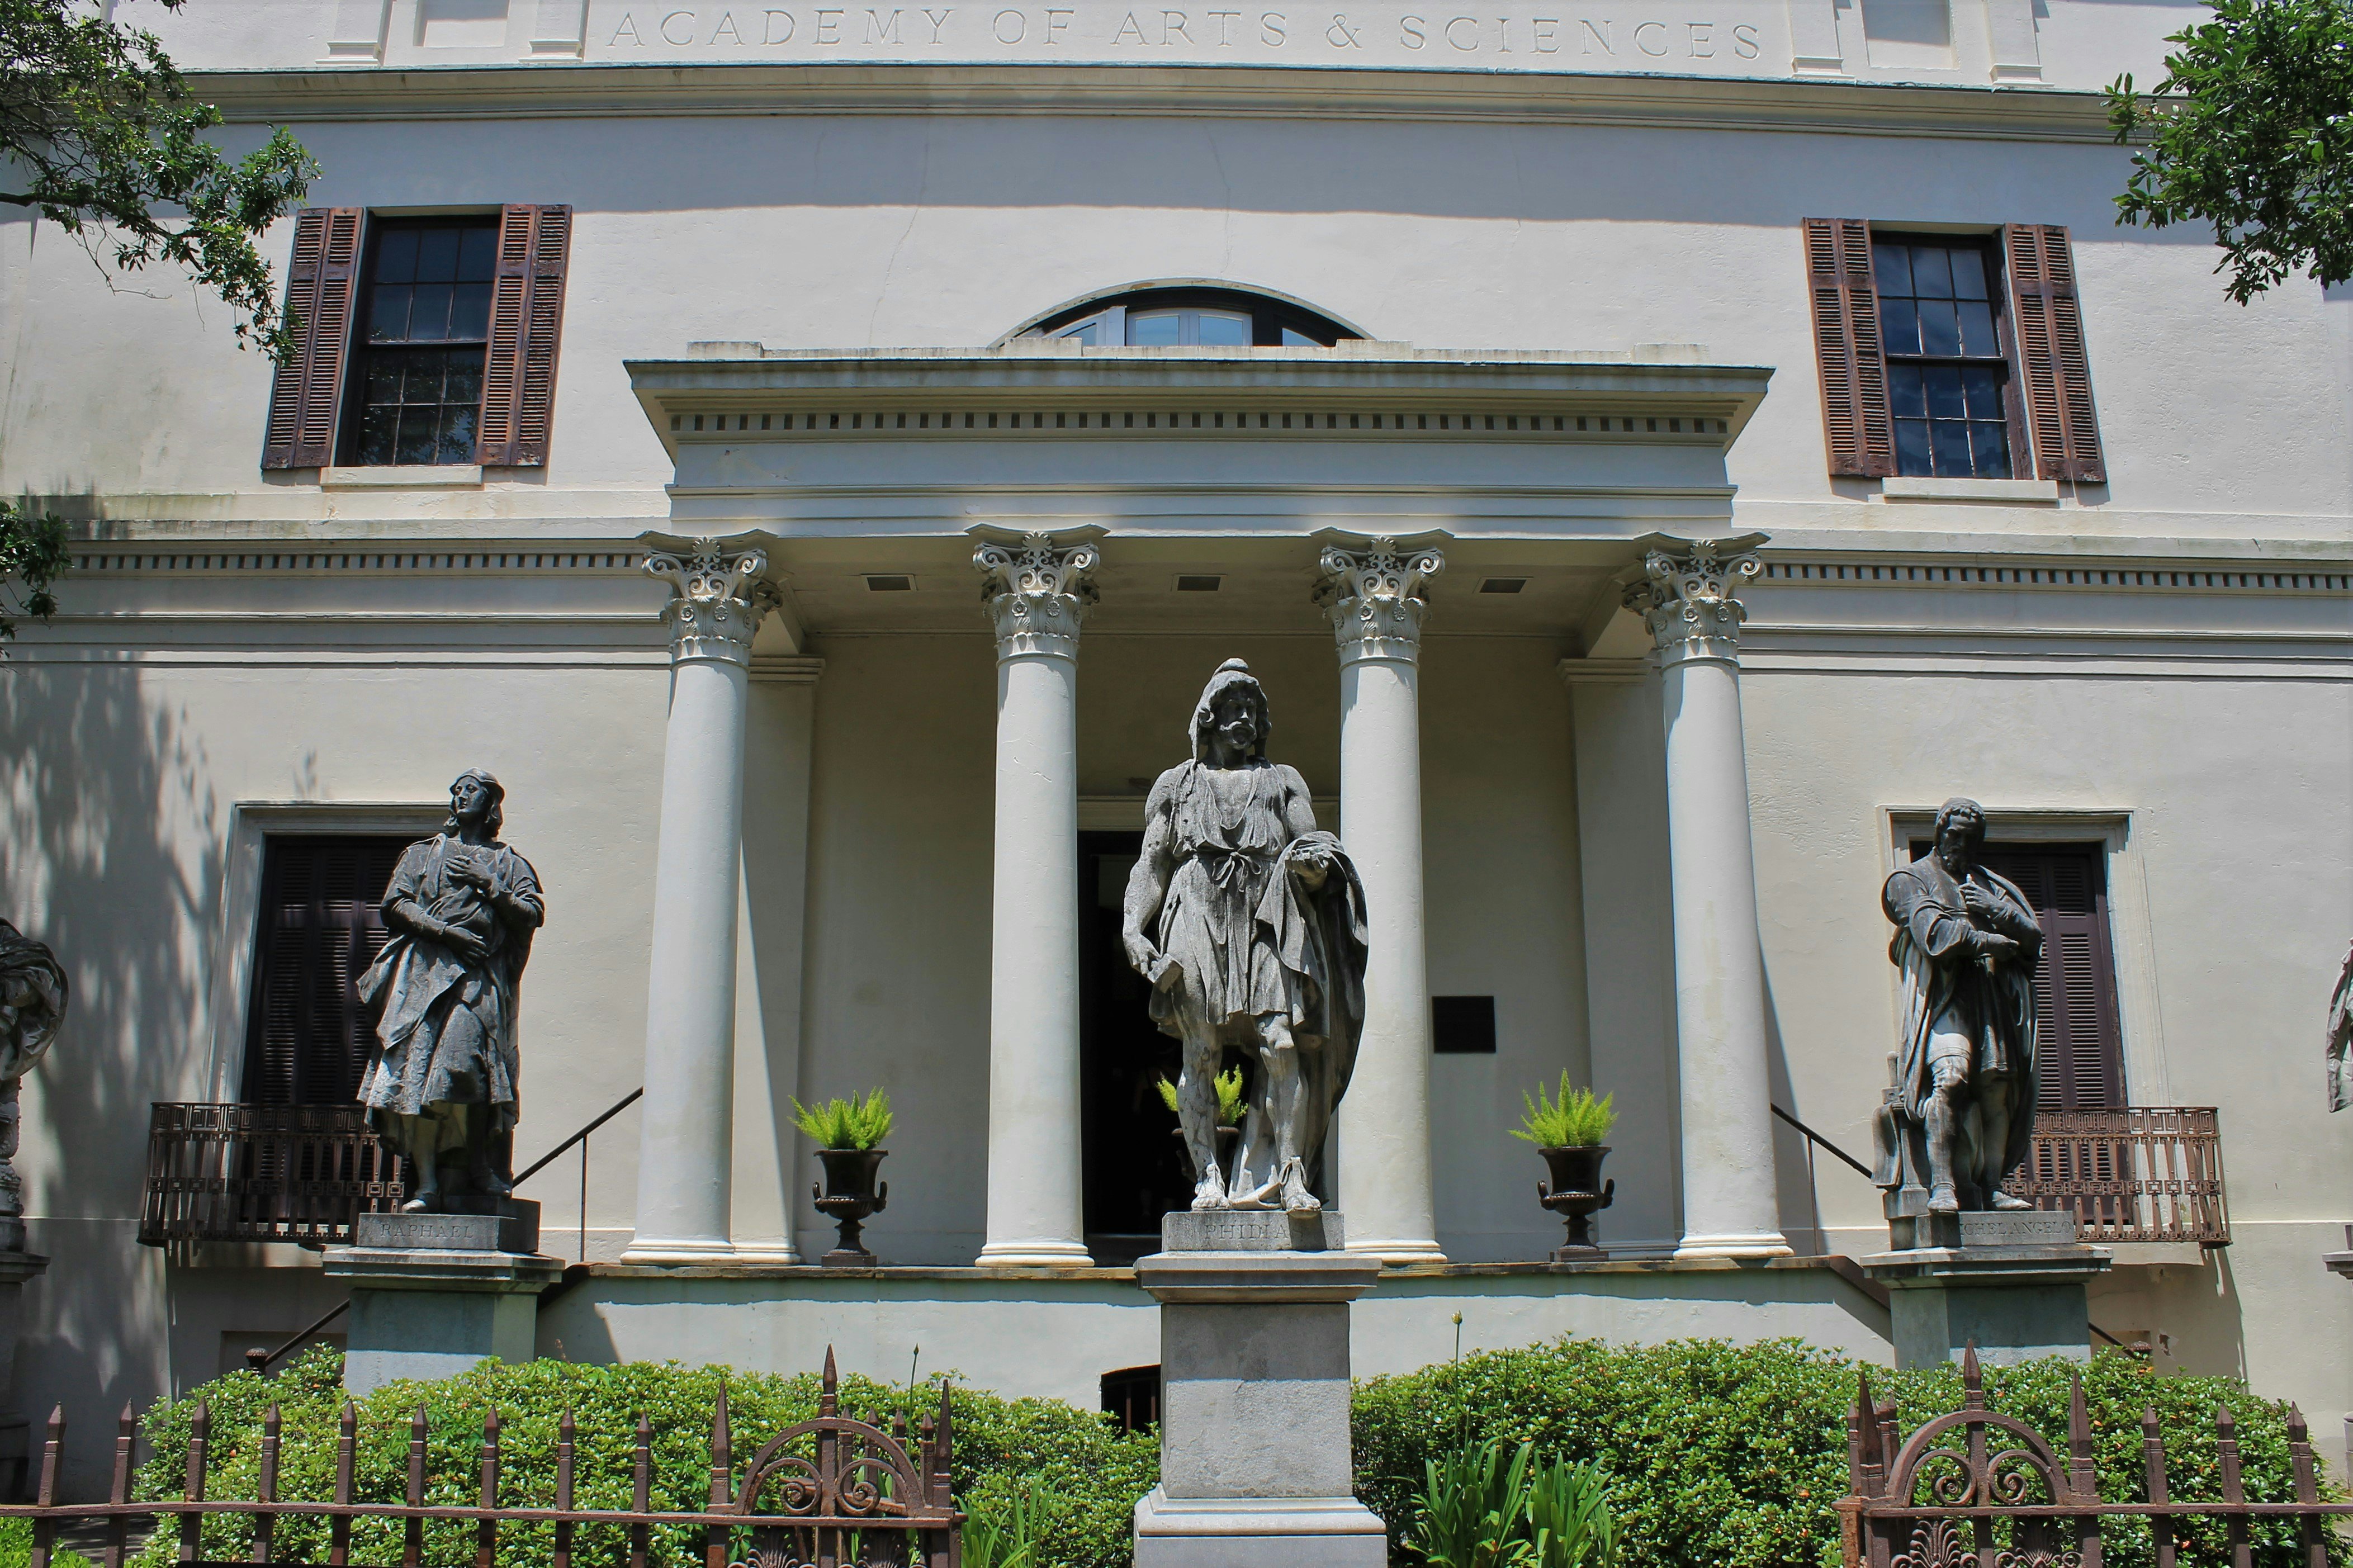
(1096, 1473)
(1723, 1455)
(1733, 1456)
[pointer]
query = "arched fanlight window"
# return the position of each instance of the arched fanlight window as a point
(1190, 316)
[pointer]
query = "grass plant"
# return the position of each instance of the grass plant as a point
(851, 1124)
(1575, 1121)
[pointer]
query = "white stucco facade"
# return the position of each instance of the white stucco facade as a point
(801, 238)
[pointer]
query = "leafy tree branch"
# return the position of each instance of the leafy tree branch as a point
(2251, 131)
(32, 552)
(99, 135)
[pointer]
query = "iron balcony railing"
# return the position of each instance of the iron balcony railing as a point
(263, 1173)
(2132, 1174)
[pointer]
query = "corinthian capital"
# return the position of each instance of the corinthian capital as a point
(717, 598)
(1372, 590)
(1685, 595)
(1037, 591)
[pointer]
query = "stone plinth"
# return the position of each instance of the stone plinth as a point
(1251, 1230)
(1254, 1457)
(2013, 1285)
(433, 1294)
(17, 1268)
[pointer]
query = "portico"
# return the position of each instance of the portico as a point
(825, 501)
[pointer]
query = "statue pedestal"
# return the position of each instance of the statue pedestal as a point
(433, 1294)
(17, 1268)
(1254, 1456)
(2010, 1283)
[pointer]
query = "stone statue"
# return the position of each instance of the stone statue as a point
(1249, 924)
(1962, 1109)
(441, 1086)
(32, 1009)
(2340, 1038)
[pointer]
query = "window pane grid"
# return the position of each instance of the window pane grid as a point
(1946, 365)
(425, 338)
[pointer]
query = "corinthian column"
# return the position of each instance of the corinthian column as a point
(1372, 589)
(717, 599)
(1037, 588)
(1731, 1209)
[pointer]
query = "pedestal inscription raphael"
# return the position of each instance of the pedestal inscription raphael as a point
(441, 1088)
(1962, 1111)
(1250, 923)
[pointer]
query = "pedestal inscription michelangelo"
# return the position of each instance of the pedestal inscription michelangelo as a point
(1250, 923)
(1961, 1113)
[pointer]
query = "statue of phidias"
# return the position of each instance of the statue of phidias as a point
(441, 1086)
(1249, 924)
(33, 994)
(1960, 1115)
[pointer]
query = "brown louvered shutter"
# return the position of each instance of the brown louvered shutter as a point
(2054, 370)
(1847, 348)
(321, 279)
(2081, 1050)
(526, 327)
(309, 1035)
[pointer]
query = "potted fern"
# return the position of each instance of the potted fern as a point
(847, 1134)
(1230, 1115)
(1569, 1133)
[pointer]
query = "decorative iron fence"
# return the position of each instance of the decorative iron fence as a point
(2132, 1174)
(263, 1173)
(832, 1492)
(1978, 1489)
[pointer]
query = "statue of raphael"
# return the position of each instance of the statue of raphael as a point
(441, 1086)
(1250, 923)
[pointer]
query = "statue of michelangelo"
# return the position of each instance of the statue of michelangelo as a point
(1249, 924)
(462, 907)
(1962, 1111)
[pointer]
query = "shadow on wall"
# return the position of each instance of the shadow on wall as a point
(114, 858)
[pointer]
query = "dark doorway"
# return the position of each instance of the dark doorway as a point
(1135, 1169)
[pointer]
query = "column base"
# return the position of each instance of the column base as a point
(1249, 1532)
(1041, 1254)
(1397, 1249)
(1734, 1244)
(769, 1254)
(674, 1250)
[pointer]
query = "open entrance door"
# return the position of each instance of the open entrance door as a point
(1135, 1169)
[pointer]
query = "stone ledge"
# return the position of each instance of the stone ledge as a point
(411, 1268)
(966, 1274)
(1257, 1278)
(1965, 1266)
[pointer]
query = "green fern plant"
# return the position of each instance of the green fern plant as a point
(1230, 1097)
(1576, 1120)
(851, 1124)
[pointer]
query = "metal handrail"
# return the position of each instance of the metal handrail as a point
(547, 1159)
(1860, 1169)
(258, 1360)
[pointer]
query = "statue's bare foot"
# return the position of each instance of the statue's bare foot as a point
(1209, 1192)
(423, 1202)
(1296, 1198)
(2008, 1204)
(490, 1183)
(1942, 1200)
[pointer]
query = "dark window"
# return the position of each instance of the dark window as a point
(309, 1036)
(1228, 318)
(1946, 369)
(1463, 1025)
(424, 331)
(2079, 1044)
(1131, 1397)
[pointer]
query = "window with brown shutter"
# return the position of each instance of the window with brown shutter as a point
(1847, 349)
(321, 278)
(309, 1036)
(2053, 367)
(427, 340)
(2079, 1054)
(1950, 356)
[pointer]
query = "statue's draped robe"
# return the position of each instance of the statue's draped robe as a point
(418, 1062)
(1948, 989)
(2340, 1039)
(1252, 941)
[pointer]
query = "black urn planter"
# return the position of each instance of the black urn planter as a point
(1577, 1194)
(848, 1195)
